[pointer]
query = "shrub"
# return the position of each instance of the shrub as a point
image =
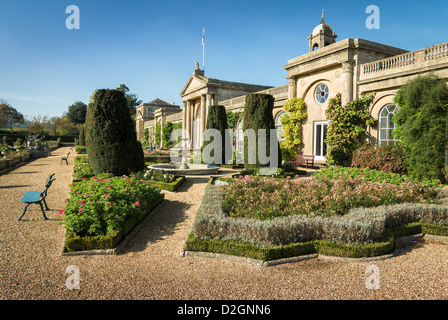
(421, 125)
(383, 158)
(258, 116)
(82, 168)
(268, 198)
(347, 127)
(111, 138)
(82, 140)
(372, 175)
(217, 119)
(102, 204)
(292, 126)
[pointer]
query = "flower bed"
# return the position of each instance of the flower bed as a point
(373, 175)
(360, 232)
(160, 179)
(102, 210)
(267, 198)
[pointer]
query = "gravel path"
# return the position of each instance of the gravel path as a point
(31, 265)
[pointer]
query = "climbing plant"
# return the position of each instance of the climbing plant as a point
(292, 125)
(347, 127)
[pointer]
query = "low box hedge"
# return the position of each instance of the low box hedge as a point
(74, 243)
(168, 186)
(215, 231)
(268, 253)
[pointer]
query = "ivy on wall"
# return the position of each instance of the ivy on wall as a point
(347, 127)
(292, 126)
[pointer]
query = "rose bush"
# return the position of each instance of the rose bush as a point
(103, 203)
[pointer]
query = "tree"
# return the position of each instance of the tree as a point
(217, 119)
(347, 127)
(421, 126)
(292, 125)
(258, 116)
(131, 98)
(110, 135)
(9, 117)
(77, 112)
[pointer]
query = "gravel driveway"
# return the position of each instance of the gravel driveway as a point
(32, 267)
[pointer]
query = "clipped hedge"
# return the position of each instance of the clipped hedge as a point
(168, 186)
(363, 232)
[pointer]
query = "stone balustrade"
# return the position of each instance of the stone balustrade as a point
(416, 59)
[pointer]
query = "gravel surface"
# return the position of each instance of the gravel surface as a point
(151, 267)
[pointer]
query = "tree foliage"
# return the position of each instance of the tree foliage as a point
(131, 98)
(77, 112)
(347, 127)
(292, 125)
(421, 125)
(110, 134)
(9, 117)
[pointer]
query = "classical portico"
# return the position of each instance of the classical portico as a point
(201, 92)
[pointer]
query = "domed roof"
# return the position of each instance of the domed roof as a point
(323, 26)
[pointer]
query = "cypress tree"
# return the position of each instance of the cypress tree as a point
(110, 134)
(81, 139)
(217, 119)
(258, 116)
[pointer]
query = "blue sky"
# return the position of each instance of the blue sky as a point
(151, 46)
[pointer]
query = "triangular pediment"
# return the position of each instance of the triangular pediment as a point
(194, 83)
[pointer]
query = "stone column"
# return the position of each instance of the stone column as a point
(184, 120)
(347, 78)
(292, 88)
(204, 112)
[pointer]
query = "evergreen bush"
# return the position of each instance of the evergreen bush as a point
(110, 135)
(217, 119)
(421, 126)
(258, 116)
(81, 139)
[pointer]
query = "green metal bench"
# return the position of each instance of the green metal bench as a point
(37, 197)
(65, 158)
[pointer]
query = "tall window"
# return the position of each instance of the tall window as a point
(387, 125)
(278, 126)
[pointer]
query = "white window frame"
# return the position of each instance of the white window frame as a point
(320, 157)
(384, 125)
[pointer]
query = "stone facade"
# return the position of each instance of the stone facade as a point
(350, 67)
(156, 111)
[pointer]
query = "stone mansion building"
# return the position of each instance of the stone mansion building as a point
(350, 67)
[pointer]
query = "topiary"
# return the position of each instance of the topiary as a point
(258, 116)
(216, 119)
(81, 139)
(110, 134)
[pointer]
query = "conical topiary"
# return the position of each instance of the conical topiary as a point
(110, 134)
(258, 115)
(217, 119)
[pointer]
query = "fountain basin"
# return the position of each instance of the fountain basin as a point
(192, 169)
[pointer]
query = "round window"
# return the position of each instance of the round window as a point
(321, 94)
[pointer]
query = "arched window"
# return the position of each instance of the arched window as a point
(385, 137)
(278, 126)
(239, 137)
